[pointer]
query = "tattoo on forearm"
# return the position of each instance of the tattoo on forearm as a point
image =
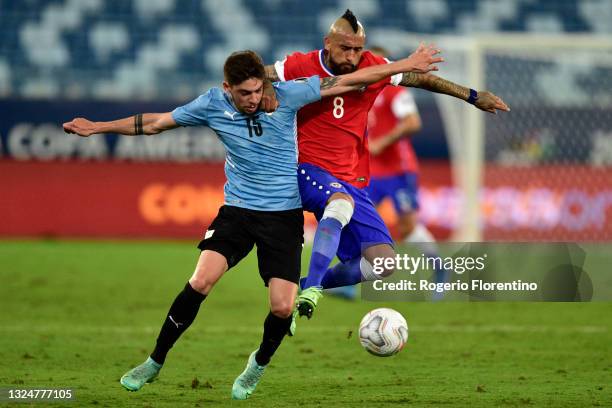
(435, 84)
(328, 82)
(138, 124)
(271, 73)
(410, 79)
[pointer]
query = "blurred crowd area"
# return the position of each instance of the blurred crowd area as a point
(145, 49)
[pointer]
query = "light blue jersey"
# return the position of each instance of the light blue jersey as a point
(261, 149)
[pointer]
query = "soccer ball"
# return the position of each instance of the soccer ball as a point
(383, 332)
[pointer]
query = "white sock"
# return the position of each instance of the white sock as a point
(367, 271)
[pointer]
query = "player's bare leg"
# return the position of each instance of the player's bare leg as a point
(276, 326)
(209, 269)
(337, 214)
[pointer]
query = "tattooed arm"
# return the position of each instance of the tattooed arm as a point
(422, 60)
(141, 124)
(483, 100)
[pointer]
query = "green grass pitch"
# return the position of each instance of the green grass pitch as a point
(79, 314)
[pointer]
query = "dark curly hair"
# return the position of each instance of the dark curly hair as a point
(242, 65)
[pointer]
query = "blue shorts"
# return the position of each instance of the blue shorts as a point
(365, 228)
(403, 190)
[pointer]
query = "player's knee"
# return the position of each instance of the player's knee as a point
(340, 209)
(282, 308)
(341, 196)
(382, 259)
(201, 284)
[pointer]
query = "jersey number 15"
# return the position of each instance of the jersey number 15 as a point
(254, 126)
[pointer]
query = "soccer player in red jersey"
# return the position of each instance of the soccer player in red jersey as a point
(334, 158)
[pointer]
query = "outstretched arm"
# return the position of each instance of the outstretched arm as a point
(141, 124)
(483, 100)
(422, 60)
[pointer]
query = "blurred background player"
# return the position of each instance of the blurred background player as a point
(394, 167)
(334, 159)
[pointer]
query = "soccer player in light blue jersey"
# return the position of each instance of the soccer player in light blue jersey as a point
(262, 201)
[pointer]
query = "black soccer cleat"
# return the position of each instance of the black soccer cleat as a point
(308, 299)
(305, 309)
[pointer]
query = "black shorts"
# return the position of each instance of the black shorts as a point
(279, 236)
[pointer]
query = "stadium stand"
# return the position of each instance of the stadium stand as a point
(120, 49)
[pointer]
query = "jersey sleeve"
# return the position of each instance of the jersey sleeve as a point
(291, 66)
(397, 78)
(195, 113)
(299, 92)
(403, 104)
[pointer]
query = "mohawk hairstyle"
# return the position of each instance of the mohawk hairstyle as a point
(350, 17)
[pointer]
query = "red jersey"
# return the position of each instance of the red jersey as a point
(331, 132)
(390, 107)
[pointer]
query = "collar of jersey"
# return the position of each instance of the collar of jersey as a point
(322, 61)
(230, 101)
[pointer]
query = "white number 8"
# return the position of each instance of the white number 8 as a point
(338, 107)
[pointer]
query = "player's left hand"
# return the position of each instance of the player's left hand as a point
(268, 103)
(491, 103)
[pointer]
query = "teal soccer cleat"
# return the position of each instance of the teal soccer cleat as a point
(134, 379)
(245, 383)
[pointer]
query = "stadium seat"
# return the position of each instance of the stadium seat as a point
(174, 48)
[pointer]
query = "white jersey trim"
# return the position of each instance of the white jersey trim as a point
(279, 66)
(403, 104)
(397, 78)
(322, 62)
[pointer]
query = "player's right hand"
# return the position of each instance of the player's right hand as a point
(423, 60)
(80, 126)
